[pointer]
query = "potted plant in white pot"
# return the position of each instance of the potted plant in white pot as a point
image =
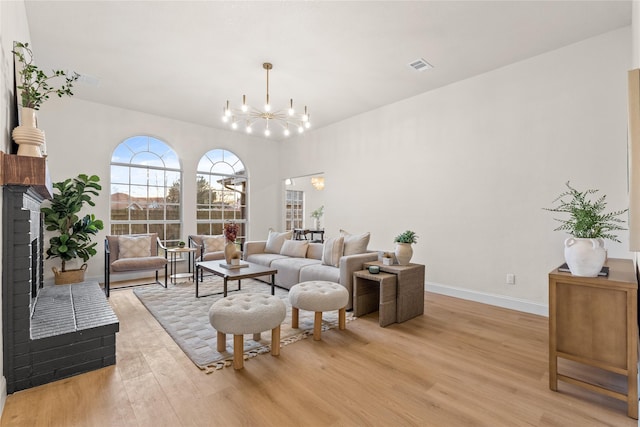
(35, 87)
(588, 225)
(317, 216)
(73, 234)
(404, 251)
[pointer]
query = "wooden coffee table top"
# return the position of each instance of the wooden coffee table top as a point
(253, 270)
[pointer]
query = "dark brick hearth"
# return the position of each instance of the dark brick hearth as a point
(53, 332)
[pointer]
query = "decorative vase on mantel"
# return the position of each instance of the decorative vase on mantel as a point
(229, 251)
(403, 253)
(29, 138)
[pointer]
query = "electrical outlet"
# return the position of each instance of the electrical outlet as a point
(511, 279)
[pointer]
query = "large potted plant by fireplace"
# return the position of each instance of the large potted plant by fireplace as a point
(72, 234)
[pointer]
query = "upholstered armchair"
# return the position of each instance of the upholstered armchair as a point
(132, 253)
(208, 248)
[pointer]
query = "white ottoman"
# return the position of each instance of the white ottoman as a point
(318, 296)
(247, 314)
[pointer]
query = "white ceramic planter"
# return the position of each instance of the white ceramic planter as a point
(585, 257)
(404, 252)
(27, 135)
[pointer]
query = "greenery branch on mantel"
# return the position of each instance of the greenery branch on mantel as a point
(36, 85)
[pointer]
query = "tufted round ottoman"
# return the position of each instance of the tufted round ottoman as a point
(247, 314)
(318, 296)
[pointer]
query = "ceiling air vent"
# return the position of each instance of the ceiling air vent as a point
(420, 65)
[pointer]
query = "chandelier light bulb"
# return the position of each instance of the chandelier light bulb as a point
(300, 129)
(267, 132)
(249, 130)
(234, 125)
(267, 107)
(305, 116)
(291, 110)
(286, 131)
(307, 124)
(225, 118)
(244, 107)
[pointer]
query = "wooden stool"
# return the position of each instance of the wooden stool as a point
(318, 296)
(247, 314)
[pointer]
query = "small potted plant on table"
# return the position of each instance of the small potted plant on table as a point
(588, 225)
(404, 251)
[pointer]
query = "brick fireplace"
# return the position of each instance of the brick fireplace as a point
(49, 332)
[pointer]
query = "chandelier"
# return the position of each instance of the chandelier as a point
(246, 116)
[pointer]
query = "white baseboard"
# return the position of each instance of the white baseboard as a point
(485, 298)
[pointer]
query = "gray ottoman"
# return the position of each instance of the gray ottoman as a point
(247, 314)
(318, 296)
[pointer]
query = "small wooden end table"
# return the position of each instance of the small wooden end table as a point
(375, 292)
(410, 282)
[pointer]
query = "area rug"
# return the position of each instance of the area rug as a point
(186, 320)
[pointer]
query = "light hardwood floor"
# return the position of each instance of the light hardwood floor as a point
(461, 364)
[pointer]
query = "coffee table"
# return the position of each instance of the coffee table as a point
(252, 270)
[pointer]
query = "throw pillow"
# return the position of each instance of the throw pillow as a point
(295, 248)
(134, 246)
(355, 243)
(213, 243)
(276, 240)
(332, 251)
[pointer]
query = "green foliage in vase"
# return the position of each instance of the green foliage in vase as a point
(406, 237)
(587, 219)
(36, 84)
(74, 234)
(317, 214)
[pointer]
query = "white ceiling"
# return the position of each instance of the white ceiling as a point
(184, 59)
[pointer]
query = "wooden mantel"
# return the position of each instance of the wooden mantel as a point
(27, 171)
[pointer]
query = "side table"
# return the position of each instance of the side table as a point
(173, 257)
(593, 322)
(375, 292)
(410, 294)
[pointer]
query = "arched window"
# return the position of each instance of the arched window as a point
(146, 189)
(222, 193)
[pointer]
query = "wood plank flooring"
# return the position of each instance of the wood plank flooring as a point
(461, 364)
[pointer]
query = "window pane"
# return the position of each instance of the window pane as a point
(171, 160)
(138, 228)
(139, 192)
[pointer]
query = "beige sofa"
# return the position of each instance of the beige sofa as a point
(306, 262)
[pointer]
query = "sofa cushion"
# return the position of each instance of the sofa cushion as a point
(289, 270)
(134, 246)
(355, 243)
(212, 256)
(332, 251)
(276, 240)
(213, 243)
(294, 248)
(320, 272)
(265, 259)
(136, 264)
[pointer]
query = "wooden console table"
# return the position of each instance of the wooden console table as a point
(594, 321)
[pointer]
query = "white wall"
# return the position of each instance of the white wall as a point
(81, 137)
(470, 166)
